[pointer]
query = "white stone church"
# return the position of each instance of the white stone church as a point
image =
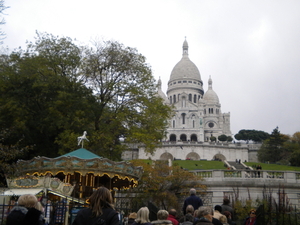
(197, 117)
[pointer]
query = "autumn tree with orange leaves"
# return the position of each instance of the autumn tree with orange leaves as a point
(162, 184)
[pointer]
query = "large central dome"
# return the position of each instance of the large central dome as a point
(185, 68)
(185, 76)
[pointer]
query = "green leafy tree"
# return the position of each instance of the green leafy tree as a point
(8, 154)
(272, 148)
(229, 139)
(254, 135)
(222, 137)
(54, 90)
(213, 138)
(294, 148)
(128, 105)
(41, 97)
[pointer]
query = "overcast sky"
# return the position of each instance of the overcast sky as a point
(250, 48)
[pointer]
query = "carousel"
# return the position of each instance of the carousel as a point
(73, 176)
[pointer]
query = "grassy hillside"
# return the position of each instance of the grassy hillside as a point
(200, 165)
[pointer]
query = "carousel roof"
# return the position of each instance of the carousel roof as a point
(81, 161)
(81, 153)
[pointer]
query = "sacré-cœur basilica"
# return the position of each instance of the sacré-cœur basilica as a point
(197, 117)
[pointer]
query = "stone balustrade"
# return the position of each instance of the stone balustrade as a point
(250, 177)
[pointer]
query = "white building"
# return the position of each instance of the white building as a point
(197, 117)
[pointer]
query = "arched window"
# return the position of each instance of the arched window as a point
(194, 137)
(183, 118)
(174, 99)
(173, 123)
(195, 98)
(190, 97)
(172, 137)
(183, 137)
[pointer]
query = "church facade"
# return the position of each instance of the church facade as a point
(197, 117)
(198, 114)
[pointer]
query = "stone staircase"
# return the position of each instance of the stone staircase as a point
(236, 165)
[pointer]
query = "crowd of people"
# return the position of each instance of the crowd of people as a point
(101, 211)
(193, 213)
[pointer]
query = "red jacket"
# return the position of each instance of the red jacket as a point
(173, 219)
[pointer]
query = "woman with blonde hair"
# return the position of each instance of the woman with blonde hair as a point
(25, 212)
(162, 216)
(100, 211)
(142, 217)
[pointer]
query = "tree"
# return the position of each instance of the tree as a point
(54, 90)
(229, 139)
(222, 137)
(2, 21)
(254, 135)
(162, 184)
(41, 97)
(272, 148)
(8, 154)
(127, 102)
(294, 148)
(213, 138)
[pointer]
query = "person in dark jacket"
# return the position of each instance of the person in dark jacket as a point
(189, 216)
(193, 200)
(227, 207)
(25, 212)
(131, 218)
(251, 220)
(101, 210)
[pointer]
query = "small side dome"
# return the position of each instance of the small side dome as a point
(210, 95)
(160, 92)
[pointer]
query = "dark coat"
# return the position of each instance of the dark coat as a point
(228, 208)
(135, 223)
(20, 215)
(130, 221)
(203, 221)
(193, 200)
(84, 216)
(187, 217)
(216, 221)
